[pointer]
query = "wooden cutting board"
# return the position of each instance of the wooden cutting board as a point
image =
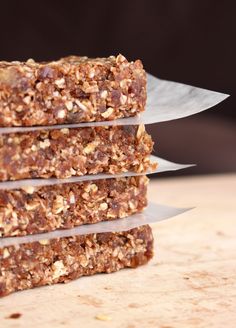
(191, 282)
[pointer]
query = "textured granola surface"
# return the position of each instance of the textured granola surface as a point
(41, 209)
(73, 152)
(70, 90)
(62, 260)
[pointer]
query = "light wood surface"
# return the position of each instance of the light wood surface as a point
(191, 282)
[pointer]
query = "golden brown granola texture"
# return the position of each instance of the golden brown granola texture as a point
(70, 90)
(42, 209)
(62, 260)
(74, 152)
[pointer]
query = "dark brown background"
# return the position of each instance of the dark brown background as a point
(182, 40)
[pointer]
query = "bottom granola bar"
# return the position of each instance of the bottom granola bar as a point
(62, 260)
(64, 206)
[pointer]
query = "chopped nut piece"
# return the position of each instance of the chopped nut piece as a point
(27, 100)
(32, 205)
(6, 253)
(120, 59)
(72, 198)
(90, 87)
(60, 83)
(30, 61)
(44, 144)
(83, 261)
(90, 147)
(123, 99)
(44, 242)
(58, 204)
(91, 73)
(104, 94)
(140, 131)
(107, 113)
(65, 131)
(33, 148)
(58, 269)
(28, 189)
(91, 187)
(61, 113)
(69, 105)
(103, 206)
(81, 105)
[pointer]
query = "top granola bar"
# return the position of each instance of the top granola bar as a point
(70, 90)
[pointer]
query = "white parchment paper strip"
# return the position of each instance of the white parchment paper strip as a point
(153, 213)
(163, 166)
(166, 101)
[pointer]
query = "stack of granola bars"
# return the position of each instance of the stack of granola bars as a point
(39, 96)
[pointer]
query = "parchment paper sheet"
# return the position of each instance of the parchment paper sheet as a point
(163, 166)
(165, 101)
(152, 214)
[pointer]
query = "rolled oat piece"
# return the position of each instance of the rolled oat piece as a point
(71, 90)
(42, 209)
(74, 152)
(60, 260)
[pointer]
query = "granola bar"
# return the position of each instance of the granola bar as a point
(71, 90)
(64, 206)
(73, 152)
(62, 260)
